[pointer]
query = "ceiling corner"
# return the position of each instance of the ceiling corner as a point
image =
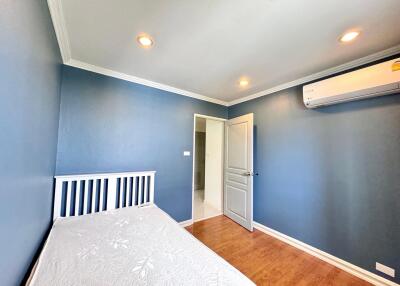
(57, 16)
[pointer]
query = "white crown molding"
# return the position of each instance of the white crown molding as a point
(123, 76)
(57, 16)
(328, 72)
(340, 263)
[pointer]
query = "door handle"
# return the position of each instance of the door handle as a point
(248, 174)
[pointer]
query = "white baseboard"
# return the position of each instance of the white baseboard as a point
(186, 223)
(340, 263)
(207, 217)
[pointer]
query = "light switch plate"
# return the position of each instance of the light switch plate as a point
(186, 153)
(385, 269)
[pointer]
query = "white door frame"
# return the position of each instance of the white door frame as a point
(195, 116)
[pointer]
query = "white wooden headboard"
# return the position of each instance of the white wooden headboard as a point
(83, 194)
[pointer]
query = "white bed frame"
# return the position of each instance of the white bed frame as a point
(83, 194)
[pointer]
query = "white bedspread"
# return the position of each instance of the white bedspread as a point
(130, 246)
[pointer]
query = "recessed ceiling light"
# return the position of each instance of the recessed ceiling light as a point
(349, 36)
(243, 82)
(145, 40)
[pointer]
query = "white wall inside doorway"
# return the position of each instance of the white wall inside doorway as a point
(213, 183)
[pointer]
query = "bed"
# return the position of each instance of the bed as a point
(108, 231)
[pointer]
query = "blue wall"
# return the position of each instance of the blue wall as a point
(330, 177)
(111, 125)
(30, 77)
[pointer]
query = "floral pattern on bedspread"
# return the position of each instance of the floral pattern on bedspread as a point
(129, 246)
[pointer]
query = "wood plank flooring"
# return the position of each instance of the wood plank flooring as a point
(265, 259)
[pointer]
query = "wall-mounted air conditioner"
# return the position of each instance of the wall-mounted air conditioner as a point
(376, 80)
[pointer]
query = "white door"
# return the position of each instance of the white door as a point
(238, 185)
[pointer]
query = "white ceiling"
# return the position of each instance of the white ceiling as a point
(204, 47)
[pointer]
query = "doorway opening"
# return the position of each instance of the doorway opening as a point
(208, 167)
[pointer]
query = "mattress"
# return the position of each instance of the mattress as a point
(129, 246)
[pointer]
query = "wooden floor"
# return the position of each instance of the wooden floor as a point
(265, 259)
